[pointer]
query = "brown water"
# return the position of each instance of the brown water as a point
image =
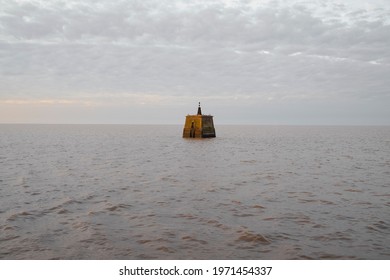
(143, 192)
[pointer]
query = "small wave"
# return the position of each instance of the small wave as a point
(258, 206)
(23, 214)
(249, 161)
(379, 226)
(362, 203)
(270, 218)
(243, 215)
(144, 241)
(333, 236)
(215, 223)
(251, 237)
(70, 202)
(326, 202)
(353, 190)
(166, 249)
(169, 178)
(8, 238)
(192, 239)
(307, 200)
(82, 226)
(305, 257)
(118, 207)
(187, 216)
(7, 227)
(328, 256)
(62, 211)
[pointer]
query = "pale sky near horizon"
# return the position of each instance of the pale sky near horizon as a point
(319, 62)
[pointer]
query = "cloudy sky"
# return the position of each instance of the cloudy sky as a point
(151, 61)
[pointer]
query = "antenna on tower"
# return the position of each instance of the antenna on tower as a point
(199, 110)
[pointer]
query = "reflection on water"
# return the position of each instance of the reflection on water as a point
(143, 192)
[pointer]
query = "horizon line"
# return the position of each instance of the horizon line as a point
(221, 124)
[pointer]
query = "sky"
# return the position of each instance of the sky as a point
(317, 62)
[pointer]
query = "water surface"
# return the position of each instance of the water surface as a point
(143, 192)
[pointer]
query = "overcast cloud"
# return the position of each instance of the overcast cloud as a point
(151, 61)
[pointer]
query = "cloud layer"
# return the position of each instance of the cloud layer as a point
(240, 54)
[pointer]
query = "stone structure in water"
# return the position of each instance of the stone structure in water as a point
(199, 126)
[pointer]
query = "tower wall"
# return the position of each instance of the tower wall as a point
(199, 126)
(208, 129)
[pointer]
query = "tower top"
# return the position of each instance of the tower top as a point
(199, 110)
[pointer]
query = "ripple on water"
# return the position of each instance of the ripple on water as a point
(251, 237)
(22, 214)
(193, 239)
(379, 226)
(118, 207)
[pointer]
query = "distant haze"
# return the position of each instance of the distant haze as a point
(152, 61)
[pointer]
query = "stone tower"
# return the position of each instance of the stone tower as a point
(199, 126)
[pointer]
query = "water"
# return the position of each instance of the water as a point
(143, 192)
